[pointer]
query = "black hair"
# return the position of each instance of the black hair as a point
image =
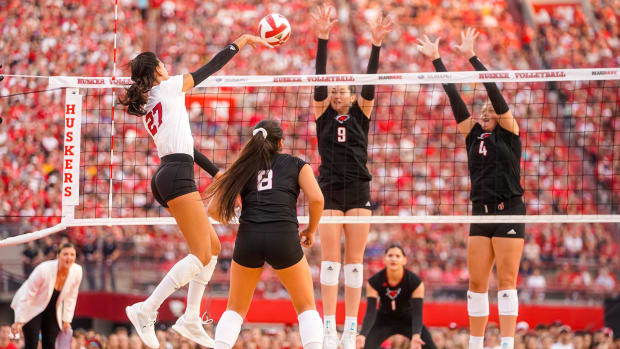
(143, 69)
(351, 88)
(395, 246)
(256, 155)
(66, 245)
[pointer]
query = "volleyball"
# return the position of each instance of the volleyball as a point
(275, 28)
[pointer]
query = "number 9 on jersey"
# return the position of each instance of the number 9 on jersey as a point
(342, 134)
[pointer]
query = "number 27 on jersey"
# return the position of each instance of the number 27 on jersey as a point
(154, 119)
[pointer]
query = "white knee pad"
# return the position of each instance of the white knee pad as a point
(310, 328)
(477, 303)
(330, 271)
(354, 275)
(207, 272)
(508, 302)
(228, 328)
(185, 270)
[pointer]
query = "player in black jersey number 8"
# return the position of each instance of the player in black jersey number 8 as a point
(269, 184)
(494, 154)
(342, 123)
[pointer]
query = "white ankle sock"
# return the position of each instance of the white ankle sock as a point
(197, 289)
(179, 275)
(350, 323)
(227, 330)
(508, 342)
(476, 342)
(329, 322)
(310, 329)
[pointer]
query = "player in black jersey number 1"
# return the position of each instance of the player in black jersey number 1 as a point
(269, 184)
(342, 124)
(494, 154)
(400, 294)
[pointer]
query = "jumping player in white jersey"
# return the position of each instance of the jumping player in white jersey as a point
(160, 100)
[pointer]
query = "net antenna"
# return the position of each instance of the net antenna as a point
(74, 115)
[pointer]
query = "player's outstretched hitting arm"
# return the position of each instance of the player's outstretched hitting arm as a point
(219, 60)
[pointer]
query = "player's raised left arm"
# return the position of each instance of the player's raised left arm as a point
(219, 60)
(378, 30)
(506, 119)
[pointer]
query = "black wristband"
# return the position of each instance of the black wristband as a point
(321, 57)
(201, 160)
(475, 62)
(459, 109)
(371, 315)
(497, 100)
(216, 63)
(439, 66)
(368, 91)
(416, 316)
(373, 61)
(320, 92)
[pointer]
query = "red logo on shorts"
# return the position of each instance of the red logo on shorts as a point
(500, 206)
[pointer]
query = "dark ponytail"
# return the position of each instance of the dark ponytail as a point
(256, 155)
(143, 75)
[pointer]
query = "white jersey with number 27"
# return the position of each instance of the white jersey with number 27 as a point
(167, 120)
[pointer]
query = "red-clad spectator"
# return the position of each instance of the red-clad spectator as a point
(5, 338)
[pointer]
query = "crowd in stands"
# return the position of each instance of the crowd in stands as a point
(416, 156)
(542, 336)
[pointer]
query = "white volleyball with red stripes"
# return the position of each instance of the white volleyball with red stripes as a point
(274, 28)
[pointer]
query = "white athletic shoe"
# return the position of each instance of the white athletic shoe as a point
(348, 339)
(330, 339)
(193, 330)
(144, 323)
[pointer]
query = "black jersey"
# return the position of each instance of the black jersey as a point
(494, 164)
(343, 146)
(395, 300)
(272, 195)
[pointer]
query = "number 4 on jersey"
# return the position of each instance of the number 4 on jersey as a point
(482, 150)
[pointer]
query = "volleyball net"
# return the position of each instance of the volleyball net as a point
(568, 120)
